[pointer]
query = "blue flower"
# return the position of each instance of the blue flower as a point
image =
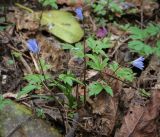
(33, 45)
(138, 63)
(79, 13)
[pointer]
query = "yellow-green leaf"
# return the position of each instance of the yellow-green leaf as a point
(63, 25)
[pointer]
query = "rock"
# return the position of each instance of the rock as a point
(18, 121)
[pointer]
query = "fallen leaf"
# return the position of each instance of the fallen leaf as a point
(140, 121)
(105, 107)
(63, 25)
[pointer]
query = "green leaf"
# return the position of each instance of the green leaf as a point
(63, 25)
(16, 54)
(153, 30)
(98, 46)
(122, 72)
(27, 89)
(140, 47)
(96, 62)
(2, 19)
(2, 28)
(33, 78)
(144, 93)
(137, 33)
(51, 3)
(157, 49)
(67, 46)
(4, 102)
(69, 78)
(10, 62)
(115, 7)
(78, 51)
(36, 78)
(44, 65)
(109, 90)
(114, 66)
(125, 73)
(95, 88)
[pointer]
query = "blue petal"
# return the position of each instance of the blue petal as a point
(33, 46)
(138, 63)
(79, 13)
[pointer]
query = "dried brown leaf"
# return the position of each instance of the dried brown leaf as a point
(103, 111)
(140, 121)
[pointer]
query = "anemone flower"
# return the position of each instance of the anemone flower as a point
(138, 63)
(33, 45)
(79, 13)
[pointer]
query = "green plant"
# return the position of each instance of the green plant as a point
(99, 7)
(44, 65)
(3, 24)
(96, 87)
(97, 62)
(114, 7)
(10, 62)
(16, 54)
(157, 49)
(4, 102)
(140, 47)
(98, 46)
(40, 113)
(98, 58)
(122, 72)
(124, 27)
(100, 21)
(51, 3)
(144, 93)
(102, 8)
(76, 50)
(69, 78)
(35, 82)
(140, 37)
(65, 83)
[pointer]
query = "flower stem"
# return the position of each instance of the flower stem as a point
(42, 71)
(85, 65)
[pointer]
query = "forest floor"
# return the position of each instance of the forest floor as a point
(88, 68)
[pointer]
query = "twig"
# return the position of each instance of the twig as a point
(118, 46)
(26, 65)
(35, 63)
(23, 7)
